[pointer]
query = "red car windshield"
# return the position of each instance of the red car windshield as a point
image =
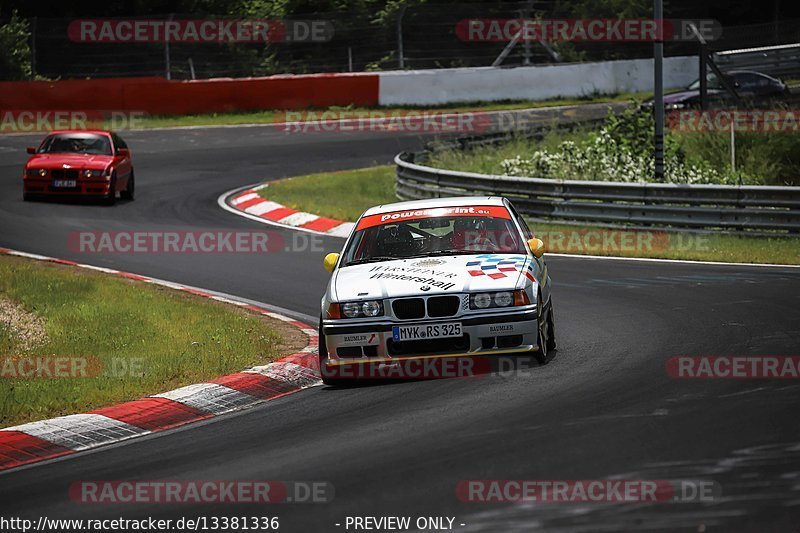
(430, 232)
(76, 143)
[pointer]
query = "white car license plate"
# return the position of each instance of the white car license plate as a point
(64, 183)
(429, 331)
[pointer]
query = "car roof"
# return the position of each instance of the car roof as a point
(97, 132)
(457, 201)
(747, 72)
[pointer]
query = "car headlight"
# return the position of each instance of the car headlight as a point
(373, 308)
(481, 301)
(369, 308)
(89, 173)
(503, 299)
(33, 172)
(485, 300)
(351, 309)
(676, 106)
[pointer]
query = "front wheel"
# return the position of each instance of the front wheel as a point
(111, 197)
(127, 194)
(545, 327)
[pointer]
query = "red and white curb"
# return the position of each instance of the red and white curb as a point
(46, 439)
(250, 203)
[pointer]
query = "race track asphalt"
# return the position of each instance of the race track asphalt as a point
(603, 408)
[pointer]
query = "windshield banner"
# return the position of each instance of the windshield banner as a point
(491, 211)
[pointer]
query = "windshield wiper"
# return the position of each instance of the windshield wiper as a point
(457, 252)
(372, 260)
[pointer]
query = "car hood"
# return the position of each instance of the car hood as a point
(73, 160)
(434, 275)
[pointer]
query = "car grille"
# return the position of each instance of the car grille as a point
(408, 308)
(60, 174)
(439, 306)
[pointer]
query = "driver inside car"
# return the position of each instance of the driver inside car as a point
(471, 234)
(395, 241)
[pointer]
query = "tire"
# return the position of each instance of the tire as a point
(127, 194)
(323, 354)
(26, 197)
(111, 197)
(544, 327)
(551, 334)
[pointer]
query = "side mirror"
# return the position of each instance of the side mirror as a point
(330, 261)
(30, 150)
(123, 152)
(537, 247)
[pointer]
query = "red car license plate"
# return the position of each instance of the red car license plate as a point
(64, 183)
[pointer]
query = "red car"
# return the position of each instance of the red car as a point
(90, 163)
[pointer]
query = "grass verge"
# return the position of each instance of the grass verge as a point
(272, 116)
(341, 195)
(345, 195)
(131, 339)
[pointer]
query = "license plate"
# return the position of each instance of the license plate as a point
(430, 331)
(64, 183)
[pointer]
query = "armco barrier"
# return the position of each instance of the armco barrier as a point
(731, 208)
(158, 96)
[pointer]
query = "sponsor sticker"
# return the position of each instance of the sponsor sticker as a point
(360, 339)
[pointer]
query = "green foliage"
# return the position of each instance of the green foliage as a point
(15, 60)
(772, 157)
(622, 150)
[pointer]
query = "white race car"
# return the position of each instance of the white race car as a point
(436, 278)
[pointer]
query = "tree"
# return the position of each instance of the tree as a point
(15, 59)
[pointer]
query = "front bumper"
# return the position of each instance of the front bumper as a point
(84, 187)
(485, 334)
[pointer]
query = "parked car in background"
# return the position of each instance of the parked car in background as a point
(753, 87)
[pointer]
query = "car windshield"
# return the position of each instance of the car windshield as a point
(713, 83)
(76, 143)
(431, 232)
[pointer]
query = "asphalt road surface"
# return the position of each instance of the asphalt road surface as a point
(603, 408)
